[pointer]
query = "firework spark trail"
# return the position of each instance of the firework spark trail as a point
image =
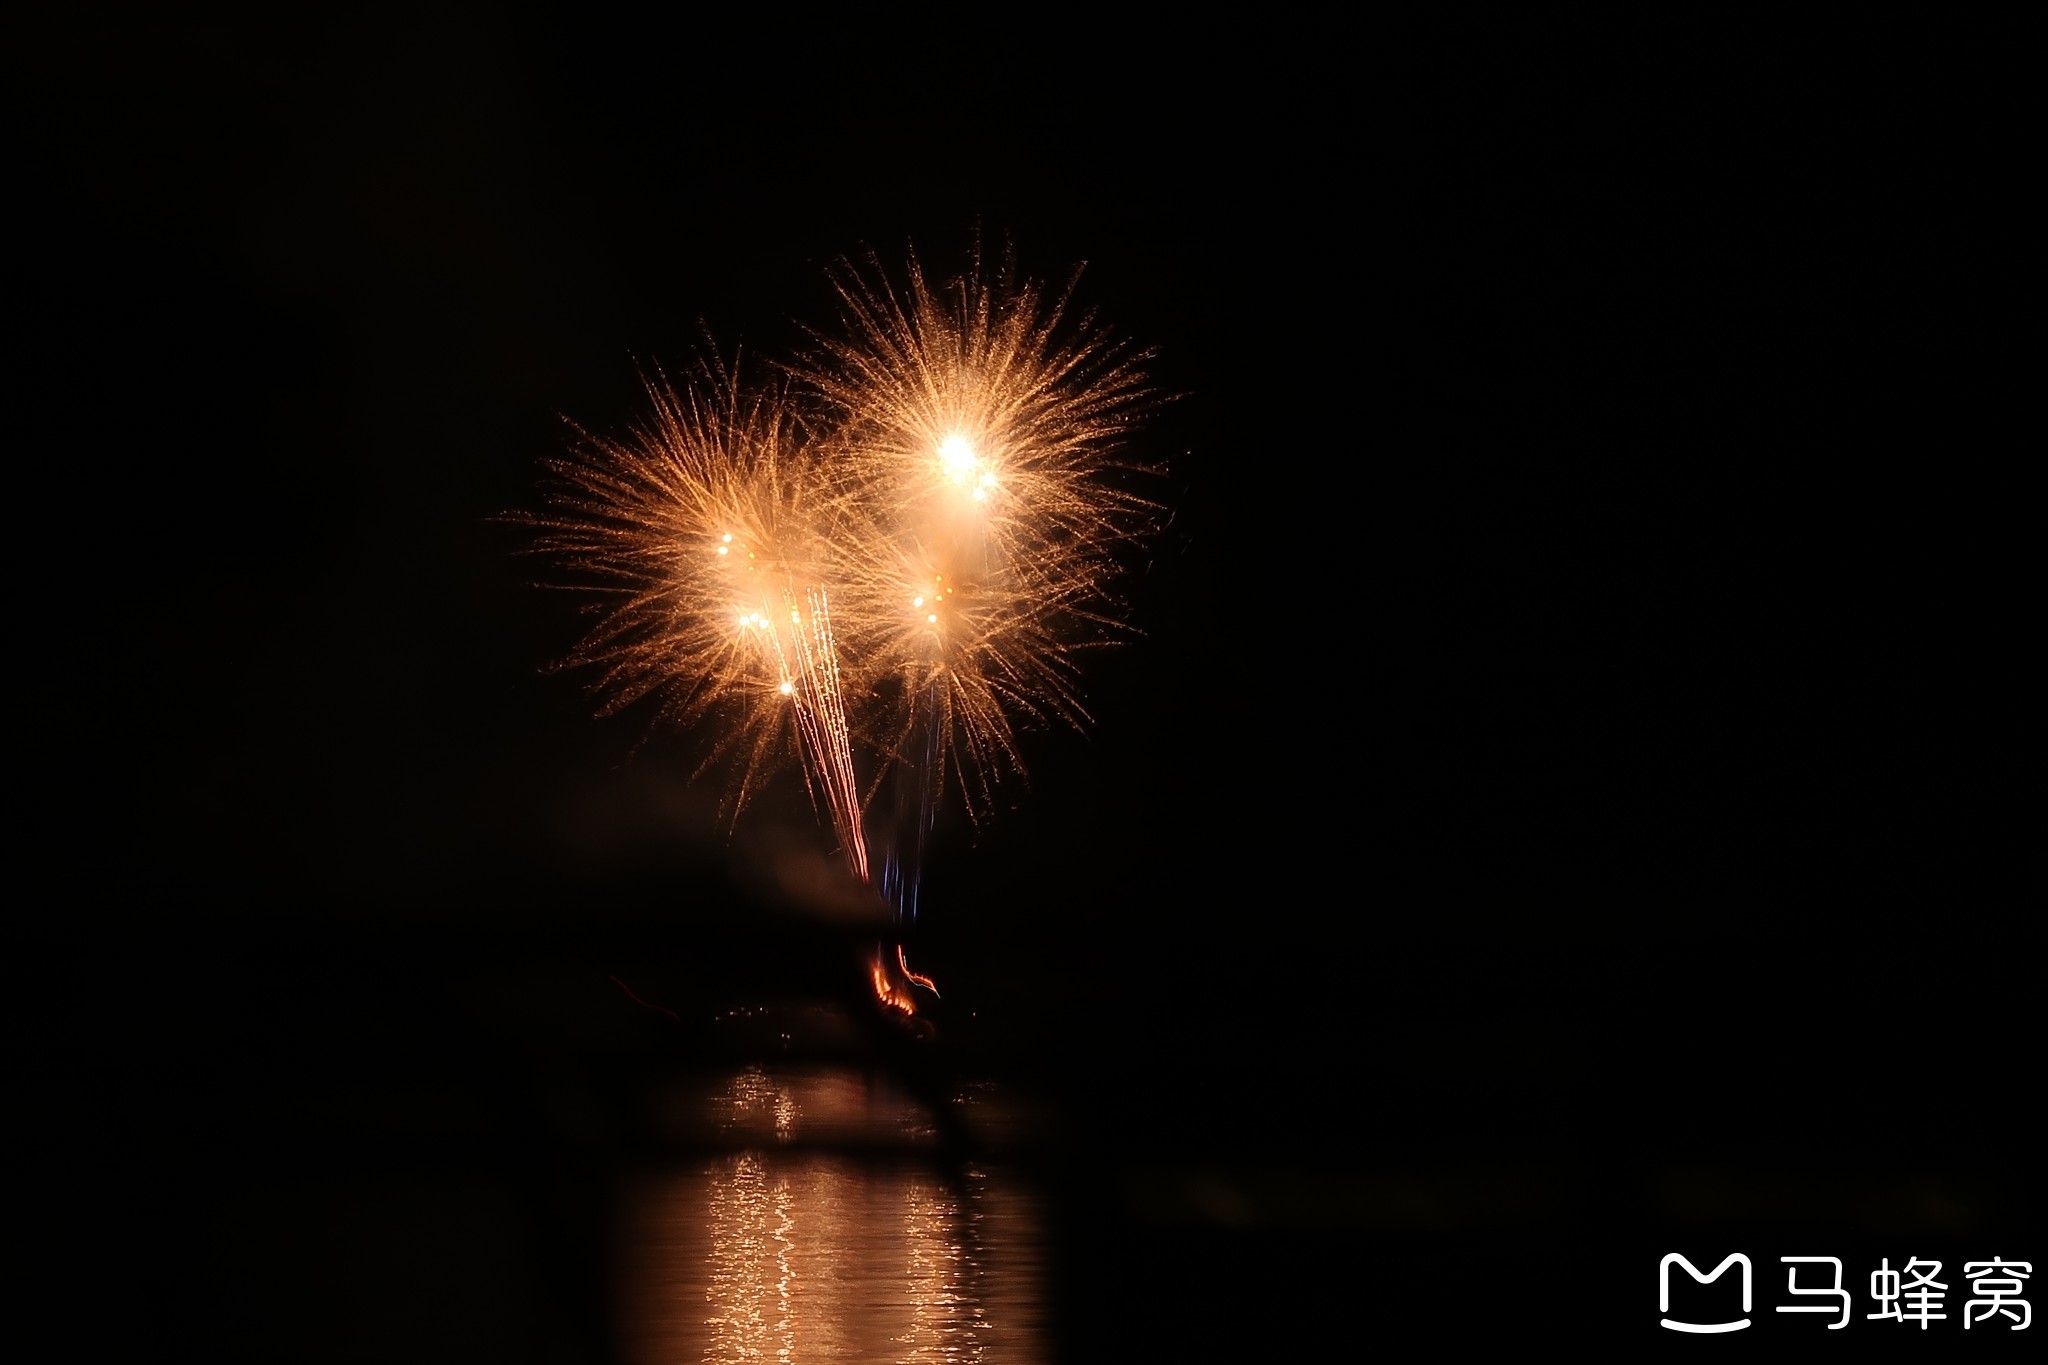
(827, 732)
(792, 622)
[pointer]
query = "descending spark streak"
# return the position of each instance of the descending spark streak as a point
(827, 733)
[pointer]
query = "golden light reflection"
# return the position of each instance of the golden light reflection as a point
(788, 1253)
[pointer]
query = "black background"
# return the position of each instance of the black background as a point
(1566, 799)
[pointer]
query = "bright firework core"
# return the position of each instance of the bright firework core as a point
(818, 500)
(962, 465)
(958, 459)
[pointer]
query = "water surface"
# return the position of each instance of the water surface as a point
(827, 1228)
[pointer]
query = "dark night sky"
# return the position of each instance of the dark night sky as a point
(1593, 596)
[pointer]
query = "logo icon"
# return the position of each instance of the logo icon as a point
(1664, 1292)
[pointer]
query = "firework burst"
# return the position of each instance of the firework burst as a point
(879, 568)
(981, 431)
(710, 553)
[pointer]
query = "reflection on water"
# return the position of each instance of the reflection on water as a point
(786, 1250)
